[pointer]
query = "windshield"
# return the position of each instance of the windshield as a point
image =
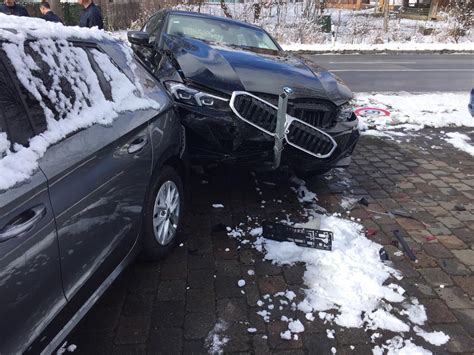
(214, 30)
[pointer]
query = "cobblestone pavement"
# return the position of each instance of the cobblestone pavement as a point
(170, 307)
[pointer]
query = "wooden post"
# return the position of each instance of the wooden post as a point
(386, 8)
(433, 9)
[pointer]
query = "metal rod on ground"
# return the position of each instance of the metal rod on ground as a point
(404, 244)
(280, 126)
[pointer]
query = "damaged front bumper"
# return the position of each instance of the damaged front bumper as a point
(245, 133)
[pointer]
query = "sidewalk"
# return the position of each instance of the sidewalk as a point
(173, 306)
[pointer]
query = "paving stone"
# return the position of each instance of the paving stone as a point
(275, 328)
(436, 277)
(466, 283)
(437, 250)
(424, 261)
(294, 274)
(198, 325)
(465, 256)
(174, 271)
(272, 284)
(169, 314)
(252, 294)
(172, 290)
(451, 222)
(201, 261)
(232, 309)
(228, 267)
(316, 344)
(227, 287)
(350, 336)
(201, 279)
(129, 349)
(460, 341)
(165, 341)
(138, 305)
(437, 312)
(439, 229)
(451, 242)
(466, 235)
(453, 267)
(266, 268)
(200, 300)
(409, 224)
(466, 319)
(195, 347)
(132, 330)
(454, 298)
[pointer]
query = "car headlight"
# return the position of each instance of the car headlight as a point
(194, 97)
(345, 113)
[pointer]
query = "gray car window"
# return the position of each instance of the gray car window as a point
(153, 26)
(13, 116)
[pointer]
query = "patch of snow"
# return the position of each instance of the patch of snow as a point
(460, 141)
(286, 335)
(216, 340)
(333, 350)
(251, 272)
(256, 232)
(418, 110)
(436, 338)
(330, 333)
(217, 205)
(241, 283)
(416, 312)
(252, 330)
(398, 346)
(296, 326)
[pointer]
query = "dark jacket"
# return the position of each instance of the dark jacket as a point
(16, 10)
(91, 17)
(51, 17)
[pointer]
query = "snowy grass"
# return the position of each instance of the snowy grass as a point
(412, 111)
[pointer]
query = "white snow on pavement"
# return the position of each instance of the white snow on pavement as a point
(216, 340)
(460, 141)
(4, 144)
(436, 338)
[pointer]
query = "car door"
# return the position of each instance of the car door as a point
(31, 293)
(98, 178)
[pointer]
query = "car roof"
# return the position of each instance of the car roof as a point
(219, 18)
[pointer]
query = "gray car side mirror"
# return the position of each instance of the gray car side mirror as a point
(139, 38)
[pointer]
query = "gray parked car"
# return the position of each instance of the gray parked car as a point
(97, 197)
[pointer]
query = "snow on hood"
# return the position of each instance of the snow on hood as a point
(52, 55)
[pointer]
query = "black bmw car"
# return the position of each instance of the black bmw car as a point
(226, 77)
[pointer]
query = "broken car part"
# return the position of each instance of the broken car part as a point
(303, 237)
(405, 246)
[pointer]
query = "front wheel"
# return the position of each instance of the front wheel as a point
(163, 214)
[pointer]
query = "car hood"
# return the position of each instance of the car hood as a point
(227, 69)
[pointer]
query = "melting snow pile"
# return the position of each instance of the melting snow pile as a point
(65, 65)
(456, 139)
(414, 111)
(348, 286)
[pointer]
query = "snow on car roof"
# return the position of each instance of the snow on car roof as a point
(45, 67)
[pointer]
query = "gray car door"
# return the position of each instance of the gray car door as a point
(98, 178)
(31, 293)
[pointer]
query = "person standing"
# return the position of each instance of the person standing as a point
(48, 14)
(10, 7)
(91, 15)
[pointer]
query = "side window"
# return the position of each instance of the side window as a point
(103, 81)
(14, 120)
(153, 26)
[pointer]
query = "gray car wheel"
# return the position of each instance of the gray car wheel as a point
(163, 214)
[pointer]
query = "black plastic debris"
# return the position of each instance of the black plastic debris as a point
(383, 254)
(363, 201)
(303, 237)
(404, 244)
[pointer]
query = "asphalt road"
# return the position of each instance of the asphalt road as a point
(401, 72)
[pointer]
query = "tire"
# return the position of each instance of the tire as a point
(159, 235)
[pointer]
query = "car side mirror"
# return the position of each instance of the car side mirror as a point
(139, 38)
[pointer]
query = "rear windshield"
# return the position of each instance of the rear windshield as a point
(215, 30)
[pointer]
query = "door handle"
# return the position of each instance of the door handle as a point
(137, 145)
(23, 222)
